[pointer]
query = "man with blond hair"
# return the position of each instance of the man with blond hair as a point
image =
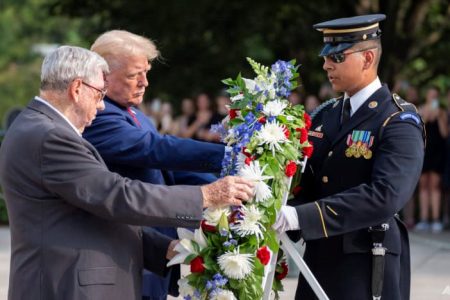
(130, 144)
(74, 224)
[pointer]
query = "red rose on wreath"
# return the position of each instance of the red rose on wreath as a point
(286, 131)
(197, 265)
(296, 190)
(308, 150)
(262, 120)
(245, 152)
(307, 121)
(206, 227)
(303, 135)
(291, 168)
(233, 113)
(281, 275)
(264, 255)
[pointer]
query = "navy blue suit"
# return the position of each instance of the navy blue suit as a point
(131, 146)
(347, 191)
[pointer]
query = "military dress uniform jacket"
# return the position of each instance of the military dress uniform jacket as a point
(359, 176)
(72, 221)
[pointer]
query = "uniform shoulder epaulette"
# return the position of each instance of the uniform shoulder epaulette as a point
(406, 110)
(322, 106)
(403, 105)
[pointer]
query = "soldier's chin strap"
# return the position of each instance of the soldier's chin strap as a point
(378, 253)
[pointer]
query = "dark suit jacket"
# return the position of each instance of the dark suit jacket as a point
(72, 219)
(136, 150)
(343, 196)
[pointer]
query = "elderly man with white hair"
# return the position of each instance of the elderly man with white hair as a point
(75, 225)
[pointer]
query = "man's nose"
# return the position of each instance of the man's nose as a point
(326, 63)
(143, 80)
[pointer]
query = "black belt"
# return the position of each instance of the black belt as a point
(378, 252)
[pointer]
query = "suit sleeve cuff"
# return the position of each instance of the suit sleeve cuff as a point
(311, 221)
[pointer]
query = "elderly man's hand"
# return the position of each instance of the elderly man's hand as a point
(229, 190)
(171, 251)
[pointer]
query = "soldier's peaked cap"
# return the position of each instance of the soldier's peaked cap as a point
(341, 34)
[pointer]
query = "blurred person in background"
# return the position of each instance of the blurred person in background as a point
(165, 118)
(435, 119)
(203, 116)
(326, 92)
(408, 212)
(295, 98)
(180, 126)
(446, 210)
(311, 102)
(221, 112)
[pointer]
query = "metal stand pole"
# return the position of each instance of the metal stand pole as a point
(289, 247)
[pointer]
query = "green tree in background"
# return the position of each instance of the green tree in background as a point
(203, 41)
(25, 26)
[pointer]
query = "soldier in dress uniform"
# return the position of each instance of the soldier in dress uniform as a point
(367, 160)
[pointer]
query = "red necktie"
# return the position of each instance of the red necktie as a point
(133, 115)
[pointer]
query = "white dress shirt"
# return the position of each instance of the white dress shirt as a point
(361, 96)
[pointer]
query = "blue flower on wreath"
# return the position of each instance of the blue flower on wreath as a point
(283, 73)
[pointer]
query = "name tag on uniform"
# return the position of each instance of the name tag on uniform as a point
(317, 132)
(359, 143)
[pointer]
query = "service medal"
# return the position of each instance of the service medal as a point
(368, 154)
(348, 152)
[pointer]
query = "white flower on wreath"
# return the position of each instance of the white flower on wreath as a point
(236, 265)
(250, 223)
(213, 215)
(221, 294)
(185, 246)
(250, 85)
(274, 108)
(237, 97)
(254, 173)
(272, 134)
(185, 288)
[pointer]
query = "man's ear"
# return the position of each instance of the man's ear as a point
(369, 59)
(74, 90)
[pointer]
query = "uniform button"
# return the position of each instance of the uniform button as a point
(325, 179)
(330, 153)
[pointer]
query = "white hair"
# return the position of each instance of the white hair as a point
(115, 44)
(67, 63)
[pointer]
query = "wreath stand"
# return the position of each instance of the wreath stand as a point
(289, 248)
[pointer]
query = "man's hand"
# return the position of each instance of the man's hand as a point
(229, 190)
(170, 251)
(287, 219)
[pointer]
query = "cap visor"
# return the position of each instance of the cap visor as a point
(334, 48)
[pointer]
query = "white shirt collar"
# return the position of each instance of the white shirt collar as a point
(361, 96)
(58, 112)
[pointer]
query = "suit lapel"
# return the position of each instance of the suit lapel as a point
(365, 112)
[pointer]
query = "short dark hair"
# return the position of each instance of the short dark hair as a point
(375, 43)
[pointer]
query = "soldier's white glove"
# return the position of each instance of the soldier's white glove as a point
(287, 219)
